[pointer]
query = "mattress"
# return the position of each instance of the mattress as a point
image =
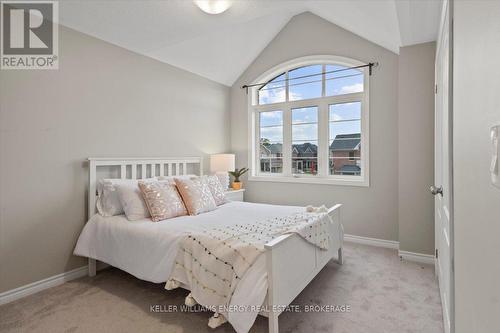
(148, 249)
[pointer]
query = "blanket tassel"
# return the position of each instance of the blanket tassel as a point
(190, 301)
(172, 284)
(216, 320)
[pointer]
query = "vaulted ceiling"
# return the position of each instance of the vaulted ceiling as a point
(220, 47)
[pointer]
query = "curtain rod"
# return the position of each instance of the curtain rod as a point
(370, 65)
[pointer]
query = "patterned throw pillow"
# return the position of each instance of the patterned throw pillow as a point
(216, 188)
(162, 199)
(196, 195)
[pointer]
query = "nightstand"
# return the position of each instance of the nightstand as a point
(235, 195)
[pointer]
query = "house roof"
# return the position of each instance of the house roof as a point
(346, 142)
(273, 147)
(305, 147)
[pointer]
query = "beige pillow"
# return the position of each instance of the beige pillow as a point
(162, 199)
(196, 195)
(216, 189)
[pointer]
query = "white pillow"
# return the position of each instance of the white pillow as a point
(216, 189)
(108, 203)
(133, 204)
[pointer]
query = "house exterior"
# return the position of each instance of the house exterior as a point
(345, 154)
(305, 158)
(271, 157)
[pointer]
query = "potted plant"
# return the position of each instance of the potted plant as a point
(237, 173)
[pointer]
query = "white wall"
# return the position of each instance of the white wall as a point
(416, 147)
(103, 101)
(369, 211)
(477, 203)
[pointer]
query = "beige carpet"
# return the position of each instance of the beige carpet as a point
(384, 295)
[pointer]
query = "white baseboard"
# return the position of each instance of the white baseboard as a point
(32, 288)
(389, 244)
(416, 257)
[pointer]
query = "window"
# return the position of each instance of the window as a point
(274, 91)
(340, 80)
(305, 140)
(310, 123)
(305, 82)
(345, 138)
(271, 142)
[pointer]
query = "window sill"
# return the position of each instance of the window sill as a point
(341, 181)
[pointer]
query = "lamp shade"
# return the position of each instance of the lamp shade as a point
(221, 162)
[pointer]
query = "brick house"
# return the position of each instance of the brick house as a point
(345, 153)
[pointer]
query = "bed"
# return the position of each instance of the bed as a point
(147, 250)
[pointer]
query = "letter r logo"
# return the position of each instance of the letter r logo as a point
(27, 28)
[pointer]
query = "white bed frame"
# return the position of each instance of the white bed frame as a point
(291, 262)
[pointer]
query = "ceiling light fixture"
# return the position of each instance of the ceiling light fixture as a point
(213, 6)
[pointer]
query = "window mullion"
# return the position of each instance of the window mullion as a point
(256, 143)
(287, 141)
(323, 139)
(323, 81)
(287, 88)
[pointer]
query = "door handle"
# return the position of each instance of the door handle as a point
(436, 190)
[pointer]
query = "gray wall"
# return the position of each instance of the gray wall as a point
(103, 101)
(372, 211)
(416, 147)
(476, 108)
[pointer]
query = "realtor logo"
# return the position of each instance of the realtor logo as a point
(29, 35)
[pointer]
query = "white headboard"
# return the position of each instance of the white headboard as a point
(139, 168)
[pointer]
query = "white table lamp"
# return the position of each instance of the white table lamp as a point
(220, 164)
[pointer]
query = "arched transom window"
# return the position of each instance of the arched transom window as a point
(310, 122)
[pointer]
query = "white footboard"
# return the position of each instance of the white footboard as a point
(292, 263)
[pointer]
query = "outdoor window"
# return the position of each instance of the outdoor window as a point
(311, 124)
(271, 142)
(305, 82)
(345, 138)
(305, 140)
(274, 91)
(340, 80)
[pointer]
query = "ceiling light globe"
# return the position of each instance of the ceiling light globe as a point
(213, 6)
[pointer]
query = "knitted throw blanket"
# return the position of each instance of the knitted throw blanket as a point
(212, 262)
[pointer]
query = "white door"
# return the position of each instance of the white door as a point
(442, 188)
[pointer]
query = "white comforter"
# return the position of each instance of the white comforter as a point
(147, 250)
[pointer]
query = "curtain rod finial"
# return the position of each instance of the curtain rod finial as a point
(370, 67)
